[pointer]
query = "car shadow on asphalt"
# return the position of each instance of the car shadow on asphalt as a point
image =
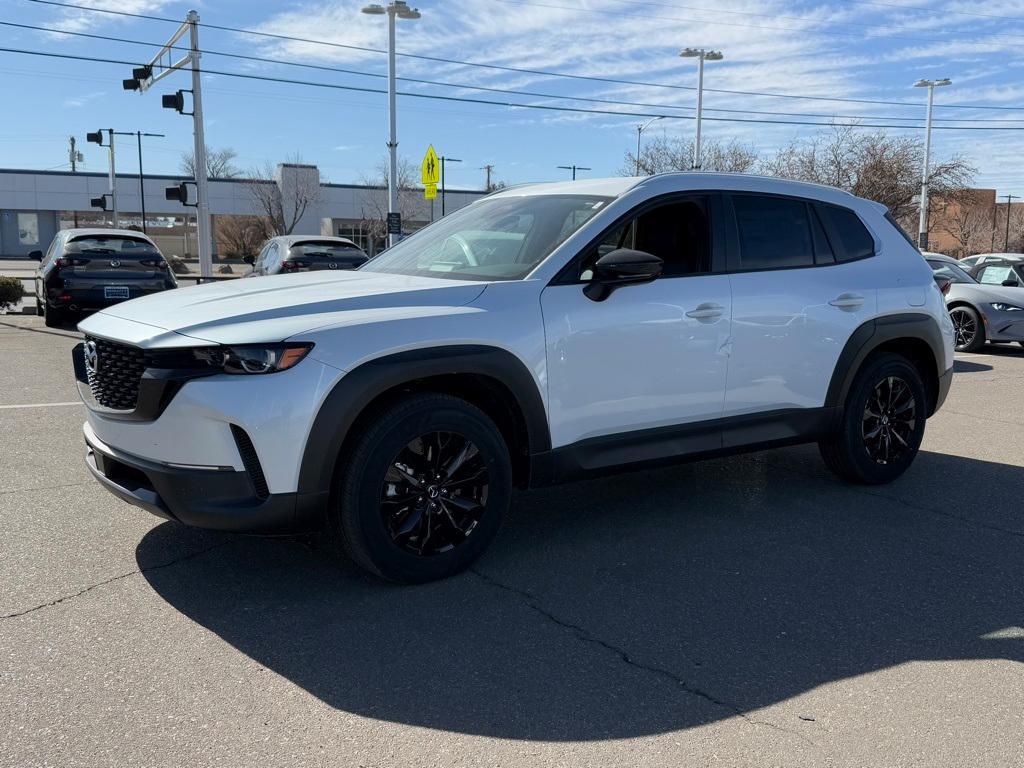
(638, 604)
(966, 366)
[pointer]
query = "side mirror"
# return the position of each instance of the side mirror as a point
(1011, 282)
(249, 259)
(619, 268)
(35, 255)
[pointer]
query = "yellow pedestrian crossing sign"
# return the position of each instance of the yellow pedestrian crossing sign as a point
(429, 191)
(430, 170)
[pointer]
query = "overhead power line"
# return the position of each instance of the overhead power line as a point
(488, 89)
(510, 104)
(503, 68)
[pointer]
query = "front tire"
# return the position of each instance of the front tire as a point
(968, 330)
(883, 423)
(423, 491)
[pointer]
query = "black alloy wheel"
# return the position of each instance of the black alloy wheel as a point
(967, 332)
(889, 421)
(434, 493)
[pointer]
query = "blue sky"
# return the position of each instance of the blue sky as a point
(855, 49)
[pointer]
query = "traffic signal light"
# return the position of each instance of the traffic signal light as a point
(100, 202)
(139, 74)
(95, 137)
(175, 101)
(179, 193)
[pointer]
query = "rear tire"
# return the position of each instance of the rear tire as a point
(882, 424)
(969, 331)
(423, 491)
(52, 318)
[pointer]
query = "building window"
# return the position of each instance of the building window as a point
(28, 228)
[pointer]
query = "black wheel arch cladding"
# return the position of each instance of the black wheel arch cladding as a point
(360, 387)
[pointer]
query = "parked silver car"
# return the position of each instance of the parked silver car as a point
(306, 253)
(971, 262)
(980, 313)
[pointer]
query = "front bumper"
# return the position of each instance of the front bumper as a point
(1003, 326)
(218, 498)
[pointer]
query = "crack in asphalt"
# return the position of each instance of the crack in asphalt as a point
(910, 505)
(112, 579)
(47, 487)
(584, 635)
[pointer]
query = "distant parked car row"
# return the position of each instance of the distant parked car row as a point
(85, 270)
(985, 297)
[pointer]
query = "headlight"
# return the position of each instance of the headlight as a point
(255, 358)
(1001, 307)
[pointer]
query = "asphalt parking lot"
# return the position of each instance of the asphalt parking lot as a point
(743, 611)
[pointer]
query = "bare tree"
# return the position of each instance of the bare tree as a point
(220, 164)
(411, 204)
(280, 210)
(871, 164)
(240, 236)
(663, 153)
(970, 226)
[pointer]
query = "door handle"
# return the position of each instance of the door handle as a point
(848, 301)
(706, 311)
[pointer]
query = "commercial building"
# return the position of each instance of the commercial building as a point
(35, 204)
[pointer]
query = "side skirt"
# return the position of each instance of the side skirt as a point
(663, 446)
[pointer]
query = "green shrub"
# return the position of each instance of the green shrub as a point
(10, 292)
(178, 265)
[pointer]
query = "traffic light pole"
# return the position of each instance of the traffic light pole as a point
(113, 179)
(204, 230)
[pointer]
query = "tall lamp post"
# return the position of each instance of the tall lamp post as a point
(702, 55)
(922, 227)
(142, 186)
(444, 162)
(397, 9)
(640, 128)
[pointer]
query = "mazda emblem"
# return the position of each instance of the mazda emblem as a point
(115, 263)
(92, 358)
(332, 265)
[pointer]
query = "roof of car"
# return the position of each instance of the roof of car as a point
(1006, 256)
(931, 256)
(683, 180)
(290, 240)
(101, 232)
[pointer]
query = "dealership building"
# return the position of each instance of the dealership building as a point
(34, 205)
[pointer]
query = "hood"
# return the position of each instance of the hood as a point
(273, 308)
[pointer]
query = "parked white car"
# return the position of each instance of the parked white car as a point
(540, 334)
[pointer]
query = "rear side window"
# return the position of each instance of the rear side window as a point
(852, 239)
(774, 232)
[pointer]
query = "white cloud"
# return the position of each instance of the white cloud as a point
(73, 102)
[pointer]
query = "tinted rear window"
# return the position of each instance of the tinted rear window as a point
(774, 232)
(325, 250)
(853, 241)
(122, 247)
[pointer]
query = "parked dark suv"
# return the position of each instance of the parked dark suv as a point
(89, 269)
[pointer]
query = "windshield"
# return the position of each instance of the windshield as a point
(952, 271)
(501, 238)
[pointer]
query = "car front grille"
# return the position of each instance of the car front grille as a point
(115, 373)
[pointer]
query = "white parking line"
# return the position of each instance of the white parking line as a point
(40, 405)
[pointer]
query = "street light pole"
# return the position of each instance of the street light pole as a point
(142, 185)
(397, 9)
(701, 55)
(113, 180)
(445, 160)
(922, 227)
(640, 128)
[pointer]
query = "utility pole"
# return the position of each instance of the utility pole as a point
(922, 227)
(640, 128)
(488, 169)
(574, 168)
(1009, 207)
(74, 156)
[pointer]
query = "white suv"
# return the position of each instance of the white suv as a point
(542, 334)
